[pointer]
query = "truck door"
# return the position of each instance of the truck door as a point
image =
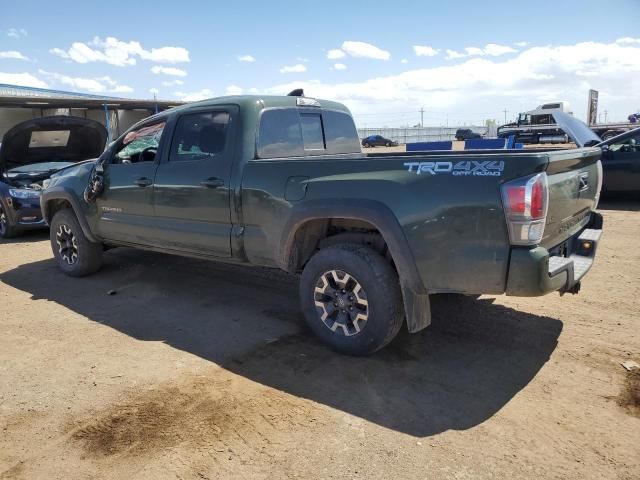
(191, 187)
(125, 208)
(621, 165)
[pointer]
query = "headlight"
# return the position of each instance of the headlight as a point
(46, 183)
(24, 193)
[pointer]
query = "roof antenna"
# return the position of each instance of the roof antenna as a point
(298, 92)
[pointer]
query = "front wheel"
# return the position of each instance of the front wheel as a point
(75, 253)
(351, 299)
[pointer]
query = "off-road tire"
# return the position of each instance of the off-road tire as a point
(88, 255)
(6, 229)
(381, 288)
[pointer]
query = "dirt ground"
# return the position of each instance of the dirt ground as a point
(197, 370)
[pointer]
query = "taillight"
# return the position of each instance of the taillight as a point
(525, 203)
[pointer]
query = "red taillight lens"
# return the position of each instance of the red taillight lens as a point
(516, 198)
(525, 204)
(538, 199)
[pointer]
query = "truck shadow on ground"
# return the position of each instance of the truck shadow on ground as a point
(473, 359)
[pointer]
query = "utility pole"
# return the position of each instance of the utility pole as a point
(505, 115)
(605, 116)
(422, 117)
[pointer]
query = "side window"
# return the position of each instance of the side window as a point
(280, 134)
(312, 134)
(199, 136)
(140, 145)
(340, 133)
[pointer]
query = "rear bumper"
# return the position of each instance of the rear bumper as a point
(534, 272)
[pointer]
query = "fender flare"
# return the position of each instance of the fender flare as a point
(414, 294)
(61, 193)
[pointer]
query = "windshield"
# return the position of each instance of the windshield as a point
(40, 167)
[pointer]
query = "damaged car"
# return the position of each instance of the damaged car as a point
(30, 153)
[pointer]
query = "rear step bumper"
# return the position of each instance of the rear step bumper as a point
(534, 272)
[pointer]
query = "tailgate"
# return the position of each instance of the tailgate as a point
(575, 178)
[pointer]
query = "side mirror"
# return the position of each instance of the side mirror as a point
(605, 148)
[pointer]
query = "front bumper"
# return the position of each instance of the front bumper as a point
(534, 272)
(25, 214)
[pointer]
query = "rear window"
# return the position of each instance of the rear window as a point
(280, 134)
(312, 134)
(292, 133)
(340, 132)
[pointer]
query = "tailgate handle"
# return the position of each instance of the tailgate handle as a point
(584, 181)
(212, 182)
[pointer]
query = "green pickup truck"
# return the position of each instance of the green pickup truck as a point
(280, 181)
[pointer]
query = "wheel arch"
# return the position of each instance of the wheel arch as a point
(296, 249)
(54, 200)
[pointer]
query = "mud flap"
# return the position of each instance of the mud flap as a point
(417, 308)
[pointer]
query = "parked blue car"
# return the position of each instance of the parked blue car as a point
(378, 141)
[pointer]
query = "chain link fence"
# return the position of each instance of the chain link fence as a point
(417, 134)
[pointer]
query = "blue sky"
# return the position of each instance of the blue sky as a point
(476, 59)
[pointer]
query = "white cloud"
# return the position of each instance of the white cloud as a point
(13, 54)
(335, 54)
(425, 51)
(103, 84)
(474, 51)
(496, 50)
(339, 66)
(116, 52)
(233, 90)
(303, 59)
(521, 44)
(154, 91)
(364, 50)
(194, 96)
(491, 49)
(17, 33)
(246, 58)
(23, 79)
(172, 83)
(452, 54)
(628, 40)
(486, 85)
(297, 68)
(173, 71)
(404, 61)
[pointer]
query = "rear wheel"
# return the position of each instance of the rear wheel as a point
(75, 254)
(351, 299)
(6, 229)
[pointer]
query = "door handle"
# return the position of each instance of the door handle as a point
(212, 182)
(142, 182)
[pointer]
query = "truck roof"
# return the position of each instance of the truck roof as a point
(258, 102)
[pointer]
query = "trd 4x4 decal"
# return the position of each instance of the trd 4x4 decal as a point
(464, 168)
